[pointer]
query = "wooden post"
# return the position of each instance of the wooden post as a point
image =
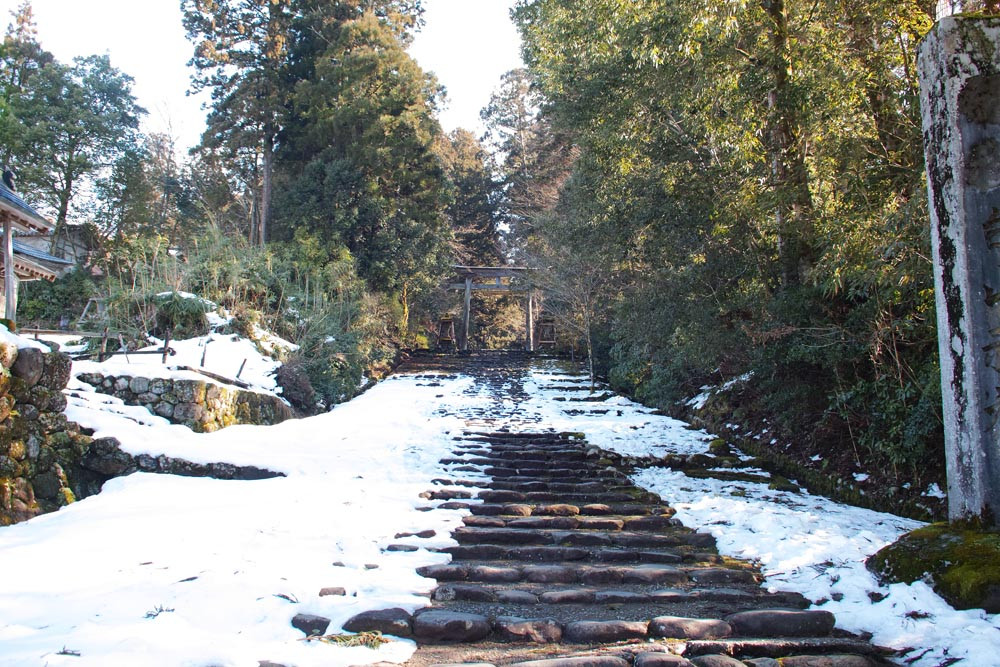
(166, 346)
(467, 313)
(529, 339)
(9, 278)
(104, 346)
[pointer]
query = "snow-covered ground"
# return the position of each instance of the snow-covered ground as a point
(177, 571)
(803, 543)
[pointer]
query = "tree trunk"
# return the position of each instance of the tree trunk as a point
(265, 197)
(790, 187)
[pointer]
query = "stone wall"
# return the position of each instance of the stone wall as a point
(39, 448)
(203, 406)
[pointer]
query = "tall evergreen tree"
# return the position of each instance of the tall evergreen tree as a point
(241, 54)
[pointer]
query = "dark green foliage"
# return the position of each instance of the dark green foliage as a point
(44, 303)
(183, 315)
(749, 188)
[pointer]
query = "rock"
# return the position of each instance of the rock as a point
(517, 597)
(494, 574)
(447, 572)
(549, 574)
(823, 661)
(188, 412)
(515, 509)
(717, 661)
(464, 592)
(106, 457)
(397, 622)
(677, 627)
(311, 625)
(406, 548)
(782, 623)
(602, 575)
(120, 384)
(963, 564)
(579, 661)
(332, 590)
(139, 385)
(159, 386)
(618, 597)
(762, 662)
(573, 596)
(28, 412)
(661, 660)
(56, 371)
(540, 631)
(164, 409)
(602, 632)
(721, 575)
(47, 485)
(190, 391)
(29, 365)
(655, 574)
(8, 354)
(449, 626)
(557, 510)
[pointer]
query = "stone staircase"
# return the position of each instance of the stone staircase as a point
(563, 562)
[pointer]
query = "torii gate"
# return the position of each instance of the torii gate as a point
(471, 279)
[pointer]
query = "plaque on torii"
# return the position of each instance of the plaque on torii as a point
(509, 279)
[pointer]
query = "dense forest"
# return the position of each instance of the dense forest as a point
(708, 191)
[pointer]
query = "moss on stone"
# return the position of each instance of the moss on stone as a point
(960, 562)
(719, 447)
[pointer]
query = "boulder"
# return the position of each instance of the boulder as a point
(448, 626)
(311, 625)
(29, 365)
(395, 621)
(782, 623)
(56, 371)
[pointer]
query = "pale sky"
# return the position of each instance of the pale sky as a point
(468, 44)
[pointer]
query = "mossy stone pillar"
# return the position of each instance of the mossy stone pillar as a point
(960, 101)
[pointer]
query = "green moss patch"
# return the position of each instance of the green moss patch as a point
(963, 565)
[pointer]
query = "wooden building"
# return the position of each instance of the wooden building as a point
(16, 215)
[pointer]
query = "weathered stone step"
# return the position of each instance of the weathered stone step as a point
(534, 454)
(594, 509)
(706, 636)
(622, 593)
(591, 575)
(569, 538)
(614, 523)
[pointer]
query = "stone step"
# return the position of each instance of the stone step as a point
(524, 593)
(594, 509)
(591, 575)
(614, 523)
(704, 636)
(471, 535)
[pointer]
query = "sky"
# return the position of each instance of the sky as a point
(467, 44)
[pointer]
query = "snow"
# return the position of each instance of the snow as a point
(224, 354)
(934, 491)
(201, 571)
(628, 428)
(20, 341)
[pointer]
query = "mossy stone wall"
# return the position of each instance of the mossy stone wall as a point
(39, 448)
(203, 406)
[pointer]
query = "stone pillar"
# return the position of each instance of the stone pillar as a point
(960, 100)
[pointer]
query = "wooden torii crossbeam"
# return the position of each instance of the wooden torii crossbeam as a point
(471, 279)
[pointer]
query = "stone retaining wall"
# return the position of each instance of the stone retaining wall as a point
(39, 448)
(203, 406)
